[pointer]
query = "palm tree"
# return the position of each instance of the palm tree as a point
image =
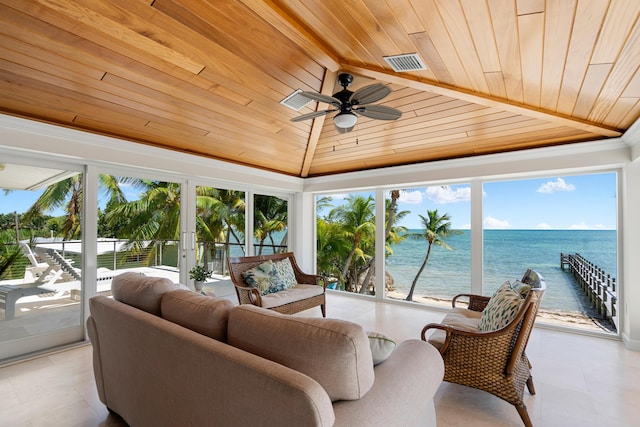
(68, 193)
(332, 248)
(436, 229)
(357, 221)
(391, 234)
(270, 216)
(154, 216)
(220, 216)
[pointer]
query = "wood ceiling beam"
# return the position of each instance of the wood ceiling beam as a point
(465, 95)
(293, 30)
(329, 82)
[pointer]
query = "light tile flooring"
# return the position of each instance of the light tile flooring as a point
(580, 380)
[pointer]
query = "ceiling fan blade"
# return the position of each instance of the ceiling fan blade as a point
(321, 98)
(312, 115)
(379, 112)
(371, 93)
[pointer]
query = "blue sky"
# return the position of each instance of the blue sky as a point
(21, 200)
(583, 202)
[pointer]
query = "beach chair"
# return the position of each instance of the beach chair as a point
(36, 268)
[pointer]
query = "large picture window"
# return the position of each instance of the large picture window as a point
(532, 223)
(428, 258)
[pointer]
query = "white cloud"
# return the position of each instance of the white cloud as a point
(543, 226)
(554, 186)
(465, 227)
(491, 222)
(411, 197)
(584, 226)
(443, 194)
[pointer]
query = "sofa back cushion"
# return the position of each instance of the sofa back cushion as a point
(335, 353)
(200, 313)
(141, 291)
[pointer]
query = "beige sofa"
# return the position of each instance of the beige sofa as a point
(170, 357)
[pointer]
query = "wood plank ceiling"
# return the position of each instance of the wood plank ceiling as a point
(206, 77)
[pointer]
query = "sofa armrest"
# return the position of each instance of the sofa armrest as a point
(402, 393)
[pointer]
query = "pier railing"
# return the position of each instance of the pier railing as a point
(598, 286)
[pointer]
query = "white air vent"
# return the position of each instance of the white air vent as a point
(408, 62)
(295, 101)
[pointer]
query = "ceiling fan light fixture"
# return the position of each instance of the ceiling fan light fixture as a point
(345, 120)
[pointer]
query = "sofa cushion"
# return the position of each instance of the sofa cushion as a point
(502, 308)
(458, 317)
(335, 353)
(203, 314)
(381, 346)
(297, 293)
(264, 277)
(141, 291)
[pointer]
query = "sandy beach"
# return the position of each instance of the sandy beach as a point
(572, 319)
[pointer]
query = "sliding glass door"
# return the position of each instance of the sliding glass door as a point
(40, 258)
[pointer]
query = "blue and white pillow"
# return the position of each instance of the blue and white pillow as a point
(265, 278)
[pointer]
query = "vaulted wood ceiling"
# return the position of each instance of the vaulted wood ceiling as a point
(207, 77)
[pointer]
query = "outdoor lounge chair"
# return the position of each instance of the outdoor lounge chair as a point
(36, 268)
(491, 361)
(10, 294)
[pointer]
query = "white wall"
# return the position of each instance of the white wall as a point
(631, 257)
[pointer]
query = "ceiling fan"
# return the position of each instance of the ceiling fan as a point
(348, 103)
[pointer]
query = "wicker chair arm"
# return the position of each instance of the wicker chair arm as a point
(476, 302)
(497, 342)
(249, 294)
(312, 279)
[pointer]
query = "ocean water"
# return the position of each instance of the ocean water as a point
(507, 255)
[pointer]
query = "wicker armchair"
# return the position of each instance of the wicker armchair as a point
(491, 361)
(301, 297)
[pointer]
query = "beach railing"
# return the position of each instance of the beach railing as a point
(598, 286)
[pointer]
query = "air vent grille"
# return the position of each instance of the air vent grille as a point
(407, 62)
(295, 101)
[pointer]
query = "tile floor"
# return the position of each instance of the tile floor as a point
(580, 380)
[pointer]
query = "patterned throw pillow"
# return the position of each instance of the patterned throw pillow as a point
(521, 288)
(285, 270)
(502, 308)
(265, 278)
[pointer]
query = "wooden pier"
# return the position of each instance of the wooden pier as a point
(599, 287)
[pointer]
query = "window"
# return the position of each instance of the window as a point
(530, 223)
(428, 256)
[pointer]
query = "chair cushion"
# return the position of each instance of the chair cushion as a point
(203, 314)
(297, 293)
(141, 291)
(502, 308)
(335, 353)
(458, 317)
(265, 277)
